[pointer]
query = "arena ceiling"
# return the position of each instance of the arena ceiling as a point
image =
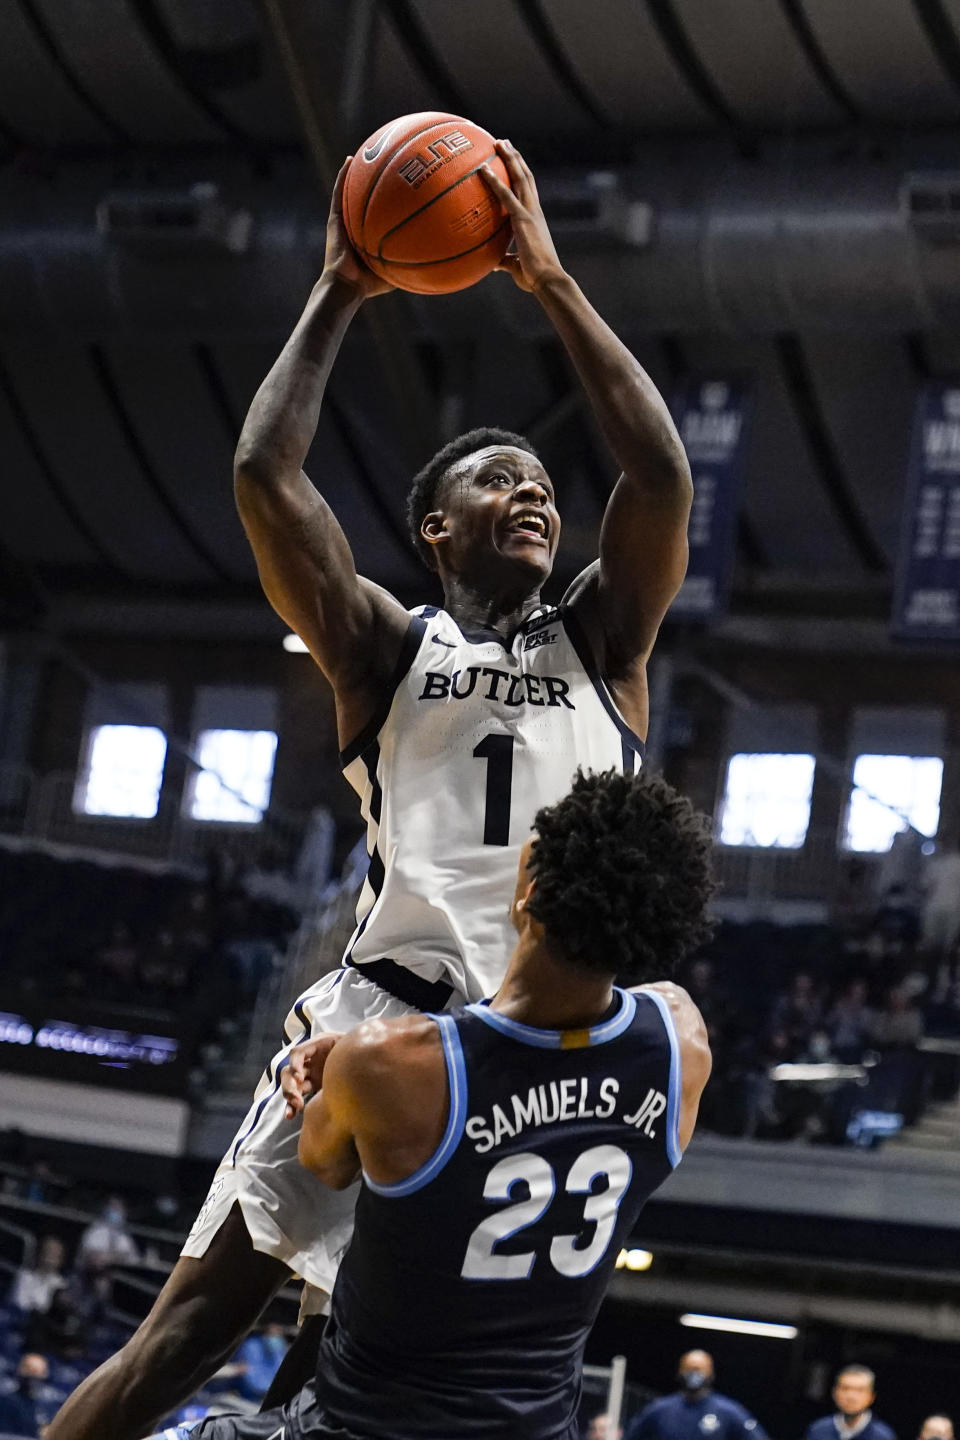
(741, 130)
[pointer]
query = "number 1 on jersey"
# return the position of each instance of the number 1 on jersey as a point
(497, 750)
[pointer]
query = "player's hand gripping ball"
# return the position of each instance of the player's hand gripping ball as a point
(418, 212)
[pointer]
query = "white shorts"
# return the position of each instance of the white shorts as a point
(289, 1213)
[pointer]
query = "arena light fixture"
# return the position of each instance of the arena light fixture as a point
(294, 645)
(740, 1327)
(634, 1260)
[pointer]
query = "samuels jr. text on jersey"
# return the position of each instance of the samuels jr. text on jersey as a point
(578, 1098)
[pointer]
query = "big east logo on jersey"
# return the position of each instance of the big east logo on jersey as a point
(438, 152)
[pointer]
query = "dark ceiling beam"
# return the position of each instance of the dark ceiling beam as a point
(38, 24)
(378, 505)
(416, 41)
(571, 403)
(64, 499)
(111, 391)
(356, 66)
(817, 59)
(538, 23)
(916, 348)
(222, 404)
(942, 37)
(682, 51)
(826, 457)
(179, 63)
(415, 413)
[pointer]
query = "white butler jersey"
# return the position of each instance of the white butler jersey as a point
(475, 737)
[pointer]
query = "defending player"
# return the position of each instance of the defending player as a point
(456, 726)
(507, 1149)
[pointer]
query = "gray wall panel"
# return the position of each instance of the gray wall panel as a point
(35, 98)
(116, 62)
(866, 392)
(753, 57)
(189, 448)
(881, 54)
(615, 47)
(497, 63)
(782, 496)
(89, 455)
(34, 522)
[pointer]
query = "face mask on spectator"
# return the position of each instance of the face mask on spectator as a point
(694, 1379)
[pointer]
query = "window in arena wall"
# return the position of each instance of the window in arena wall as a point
(122, 772)
(233, 783)
(890, 791)
(766, 800)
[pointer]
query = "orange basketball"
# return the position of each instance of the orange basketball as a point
(417, 211)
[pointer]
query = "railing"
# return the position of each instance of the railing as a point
(818, 871)
(316, 948)
(40, 808)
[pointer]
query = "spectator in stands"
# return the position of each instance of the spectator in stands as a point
(941, 904)
(899, 1025)
(63, 1329)
(600, 1429)
(901, 867)
(796, 1014)
(936, 1427)
(849, 1023)
(258, 1360)
(853, 900)
(898, 919)
(854, 1392)
(41, 1183)
(34, 1286)
(164, 972)
(107, 1241)
(29, 1408)
(702, 986)
(115, 963)
(696, 1410)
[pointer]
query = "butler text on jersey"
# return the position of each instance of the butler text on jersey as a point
(520, 689)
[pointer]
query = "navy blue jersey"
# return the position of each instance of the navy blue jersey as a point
(828, 1429)
(464, 1302)
(687, 1417)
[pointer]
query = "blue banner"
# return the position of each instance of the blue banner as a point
(711, 416)
(927, 595)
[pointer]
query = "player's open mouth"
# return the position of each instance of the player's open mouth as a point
(529, 522)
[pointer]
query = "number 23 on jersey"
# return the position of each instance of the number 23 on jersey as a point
(482, 1260)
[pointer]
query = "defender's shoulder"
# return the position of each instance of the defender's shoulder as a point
(369, 1055)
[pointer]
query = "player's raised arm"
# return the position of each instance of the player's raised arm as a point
(352, 628)
(643, 542)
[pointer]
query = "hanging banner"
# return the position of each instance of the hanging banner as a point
(711, 416)
(927, 596)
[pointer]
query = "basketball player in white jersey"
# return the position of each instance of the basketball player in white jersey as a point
(455, 725)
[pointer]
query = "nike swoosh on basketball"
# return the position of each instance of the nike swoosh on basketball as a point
(370, 152)
(437, 641)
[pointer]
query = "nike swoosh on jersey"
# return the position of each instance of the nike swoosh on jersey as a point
(449, 643)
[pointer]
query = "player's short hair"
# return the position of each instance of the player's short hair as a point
(623, 875)
(863, 1371)
(427, 484)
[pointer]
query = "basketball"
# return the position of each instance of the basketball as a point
(416, 209)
